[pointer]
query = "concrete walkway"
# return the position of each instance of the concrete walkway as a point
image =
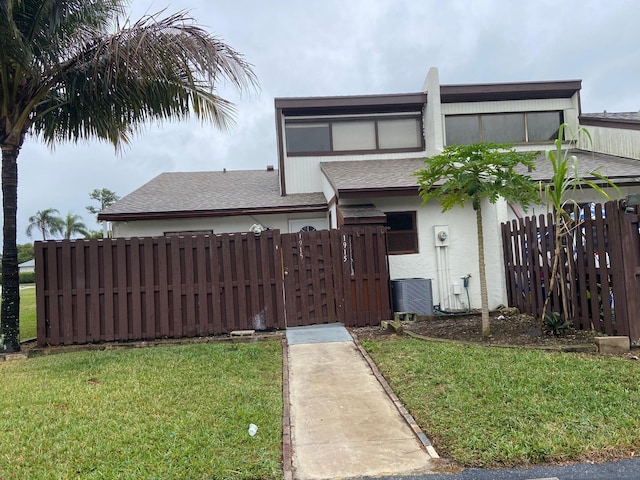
(343, 422)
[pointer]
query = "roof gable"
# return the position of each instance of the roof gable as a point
(182, 194)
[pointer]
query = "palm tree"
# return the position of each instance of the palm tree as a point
(46, 221)
(69, 70)
(72, 224)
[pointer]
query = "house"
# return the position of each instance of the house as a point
(28, 266)
(349, 161)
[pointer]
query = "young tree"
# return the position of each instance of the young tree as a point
(104, 197)
(471, 173)
(70, 70)
(565, 181)
(72, 225)
(46, 221)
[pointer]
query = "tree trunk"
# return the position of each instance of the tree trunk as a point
(484, 297)
(10, 310)
(560, 229)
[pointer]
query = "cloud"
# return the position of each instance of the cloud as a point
(331, 47)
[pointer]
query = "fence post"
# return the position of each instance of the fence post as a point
(630, 245)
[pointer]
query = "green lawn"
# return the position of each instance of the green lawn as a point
(27, 312)
(486, 406)
(165, 412)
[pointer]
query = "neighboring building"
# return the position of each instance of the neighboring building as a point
(28, 266)
(349, 161)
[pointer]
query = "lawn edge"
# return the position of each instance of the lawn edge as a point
(287, 460)
(408, 418)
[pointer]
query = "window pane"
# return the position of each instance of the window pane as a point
(354, 136)
(507, 128)
(400, 133)
(462, 129)
(543, 126)
(402, 235)
(307, 137)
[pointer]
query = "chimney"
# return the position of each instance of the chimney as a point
(269, 168)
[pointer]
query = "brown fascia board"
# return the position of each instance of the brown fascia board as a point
(485, 92)
(351, 104)
(126, 217)
(610, 123)
(378, 192)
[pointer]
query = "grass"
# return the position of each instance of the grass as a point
(27, 312)
(164, 412)
(493, 407)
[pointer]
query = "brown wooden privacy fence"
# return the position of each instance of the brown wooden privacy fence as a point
(600, 264)
(146, 288)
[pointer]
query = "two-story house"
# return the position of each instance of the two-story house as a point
(349, 161)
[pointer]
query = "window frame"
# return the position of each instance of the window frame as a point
(414, 231)
(478, 117)
(356, 118)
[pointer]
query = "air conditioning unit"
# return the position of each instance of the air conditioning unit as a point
(412, 295)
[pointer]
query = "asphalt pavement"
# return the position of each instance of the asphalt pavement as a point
(628, 469)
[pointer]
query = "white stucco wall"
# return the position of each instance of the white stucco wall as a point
(433, 124)
(461, 254)
(152, 228)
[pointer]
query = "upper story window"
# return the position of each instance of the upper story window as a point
(523, 127)
(338, 135)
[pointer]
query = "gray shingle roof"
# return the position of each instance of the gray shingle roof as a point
(210, 192)
(379, 175)
(608, 165)
(618, 116)
(372, 174)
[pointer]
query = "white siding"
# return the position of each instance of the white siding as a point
(612, 141)
(302, 174)
(565, 104)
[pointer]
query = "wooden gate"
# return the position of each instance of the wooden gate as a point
(336, 275)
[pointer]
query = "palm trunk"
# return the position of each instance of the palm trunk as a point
(10, 310)
(484, 297)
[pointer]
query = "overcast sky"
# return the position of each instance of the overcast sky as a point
(342, 47)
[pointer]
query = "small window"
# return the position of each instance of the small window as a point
(503, 128)
(354, 136)
(400, 133)
(402, 233)
(543, 126)
(308, 137)
(462, 129)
